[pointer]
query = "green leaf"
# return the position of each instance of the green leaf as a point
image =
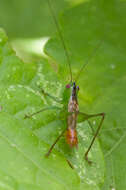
(24, 142)
(102, 84)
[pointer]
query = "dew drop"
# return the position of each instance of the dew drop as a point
(53, 155)
(112, 66)
(13, 145)
(94, 122)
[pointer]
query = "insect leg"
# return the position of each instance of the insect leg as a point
(51, 148)
(86, 117)
(58, 138)
(44, 109)
(69, 163)
(50, 96)
(102, 115)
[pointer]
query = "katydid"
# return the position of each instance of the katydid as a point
(70, 102)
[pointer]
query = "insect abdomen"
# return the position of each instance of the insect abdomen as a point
(71, 137)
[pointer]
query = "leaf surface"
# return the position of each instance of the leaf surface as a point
(24, 142)
(102, 83)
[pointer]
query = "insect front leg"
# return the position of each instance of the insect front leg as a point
(50, 96)
(44, 109)
(86, 117)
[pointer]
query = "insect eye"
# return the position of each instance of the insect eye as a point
(68, 86)
(78, 88)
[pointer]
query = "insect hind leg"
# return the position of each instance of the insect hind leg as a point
(102, 115)
(87, 117)
(51, 148)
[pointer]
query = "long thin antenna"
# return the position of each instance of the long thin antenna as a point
(88, 61)
(61, 37)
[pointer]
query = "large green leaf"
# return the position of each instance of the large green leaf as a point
(102, 84)
(24, 142)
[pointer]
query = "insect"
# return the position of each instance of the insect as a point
(70, 104)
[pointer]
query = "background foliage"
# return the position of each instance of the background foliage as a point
(102, 84)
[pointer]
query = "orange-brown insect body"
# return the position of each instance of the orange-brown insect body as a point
(71, 135)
